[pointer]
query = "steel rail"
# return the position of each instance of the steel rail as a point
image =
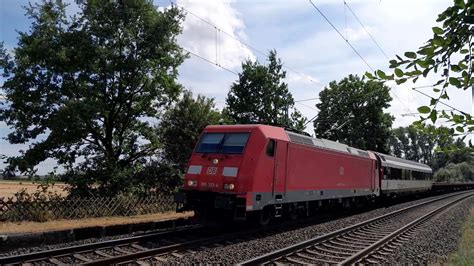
(387, 239)
(157, 251)
(281, 253)
(34, 256)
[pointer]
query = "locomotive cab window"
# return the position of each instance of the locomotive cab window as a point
(210, 142)
(222, 143)
(271, 148)
(234, 142)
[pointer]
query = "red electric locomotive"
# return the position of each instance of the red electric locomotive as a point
(265, 171)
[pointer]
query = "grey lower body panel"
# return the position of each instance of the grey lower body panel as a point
(402, 186)
(268, 198)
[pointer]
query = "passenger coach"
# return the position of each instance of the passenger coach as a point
(403, 176)
(264, 171)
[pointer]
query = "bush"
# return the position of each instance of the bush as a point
(455, 172)
(146, 179)
(34, 206)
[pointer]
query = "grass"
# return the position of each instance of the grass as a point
(465, 253)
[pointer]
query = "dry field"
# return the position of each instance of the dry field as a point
(9, 188)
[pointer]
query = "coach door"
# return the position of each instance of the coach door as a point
(271, 154)
(277, 150)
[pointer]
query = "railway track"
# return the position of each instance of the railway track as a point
(90, 252)
(159, 247)
(155, 247)
(369, 242)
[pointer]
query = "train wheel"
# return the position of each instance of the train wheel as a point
(265, 216)
(293, 215)
(293, 212)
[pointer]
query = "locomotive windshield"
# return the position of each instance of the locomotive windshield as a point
(222, 143)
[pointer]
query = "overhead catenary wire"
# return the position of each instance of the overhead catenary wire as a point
(443, 103)
(340, 34)
(299, 73)
(353, 48)
(210, 62)
(307, 106)
(366, 30)
(305, 100)
(385, 54)
(371, 37)
(219, 30)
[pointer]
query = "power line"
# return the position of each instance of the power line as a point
(353, 48)
(363, 26)
(307, 106)
(246, 44)
(340, 34)
(380, 48)
(305, 100)
(414, 114)
(210, 62)
(385, 54)
(443, 103)
(373, 39)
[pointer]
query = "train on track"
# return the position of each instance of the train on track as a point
(261, 172)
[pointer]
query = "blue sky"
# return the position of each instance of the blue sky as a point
(303, 39)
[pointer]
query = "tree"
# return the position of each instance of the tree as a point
(88, 87)
(431, 145)
(455, 172)
(182, 125)
(157, 175)
(261, 96)
(413, 143)
(351, 112)
(448, 55)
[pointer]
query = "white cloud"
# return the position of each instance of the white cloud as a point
(357, 34)
(220, 44)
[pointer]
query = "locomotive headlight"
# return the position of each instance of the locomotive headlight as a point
(192, 183)
(215, 161)
(229, 186)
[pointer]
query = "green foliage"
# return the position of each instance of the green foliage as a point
(417, 143)
(88, 86)
(447, 55)
(455, 172)
(45, 193)
(157, 178)
(431, 145)
(261, 96)
(351, 112)
(182, 125)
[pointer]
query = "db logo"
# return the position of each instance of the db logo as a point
(212, 170)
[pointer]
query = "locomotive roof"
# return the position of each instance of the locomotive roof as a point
(391, 161)
(325, 144)
(387, 160)
(268, 131)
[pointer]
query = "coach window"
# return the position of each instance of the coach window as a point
(271, 148)
(386, 173)
(417, 175)
(396, 174)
